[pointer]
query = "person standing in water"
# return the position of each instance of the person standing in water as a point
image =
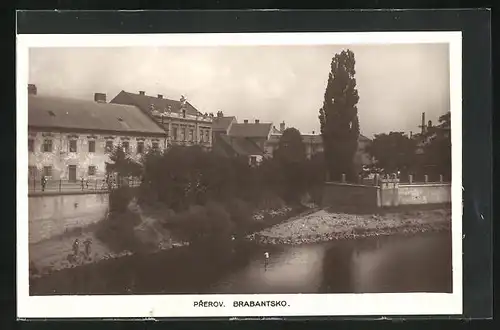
(266, 259)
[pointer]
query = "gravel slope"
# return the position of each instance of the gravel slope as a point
(325, 226)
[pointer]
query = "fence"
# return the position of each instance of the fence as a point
(87, 185)
(385, 191)
(406, 179)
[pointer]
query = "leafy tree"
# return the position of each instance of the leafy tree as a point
(291, 148)
(291, 158)
(122, 164)
(437, 149)
(339, 117)
(392, 152)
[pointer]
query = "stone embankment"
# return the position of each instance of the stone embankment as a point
(324, 226)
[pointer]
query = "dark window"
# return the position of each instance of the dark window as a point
(140, 147)
(92, 170)
(72, 145)
(47, 145)
(47, 170)
(125, 146)
(109, 146)
(32, 170)
(174, 133)
(155, 145)
(253, 160)
(191, 134)
(31, 145)
(92, 146)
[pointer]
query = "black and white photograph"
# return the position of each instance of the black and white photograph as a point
(224, 175)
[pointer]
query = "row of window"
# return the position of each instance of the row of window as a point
(48, 147)
(204, 134)
(47, 170)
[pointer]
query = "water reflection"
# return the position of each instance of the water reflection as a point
(375, 265)
(421, 263)
(293, 269)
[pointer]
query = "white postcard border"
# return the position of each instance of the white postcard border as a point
(139, 306)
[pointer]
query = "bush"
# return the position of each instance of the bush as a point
(117, 231)
(240, 212)
(119, 199)
(271, 201)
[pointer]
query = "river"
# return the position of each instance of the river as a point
(418, 263)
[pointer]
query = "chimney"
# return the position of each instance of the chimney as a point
(411, 134)
(282, 126)
(31, 89)
(100, 97)
(245, 121)
(142, 93)
(219, 114)
(429, 124)
(160, 96)
(257, 121)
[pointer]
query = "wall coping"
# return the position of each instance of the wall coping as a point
(65, 193)
(407, 185)
(350, 184)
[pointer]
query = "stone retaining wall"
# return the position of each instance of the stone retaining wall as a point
(389, 193)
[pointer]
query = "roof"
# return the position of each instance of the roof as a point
(237, 145)
(222, 123)
(312, 138)
(363, 138)
(275, 131)
(67, 113)
(145, 101)
(250, 130)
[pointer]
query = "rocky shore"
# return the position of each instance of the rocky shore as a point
(322, 226)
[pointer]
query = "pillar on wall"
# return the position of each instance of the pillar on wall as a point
(389, 192)
(426, 178)
(441, 178)
(343, 178)
(410, 179)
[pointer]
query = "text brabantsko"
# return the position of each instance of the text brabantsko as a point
(242, 303)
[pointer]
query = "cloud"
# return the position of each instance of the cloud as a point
(395, 82)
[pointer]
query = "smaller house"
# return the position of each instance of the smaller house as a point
(222, 124)
(241, 139)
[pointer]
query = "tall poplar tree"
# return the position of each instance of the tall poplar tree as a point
(339, 117)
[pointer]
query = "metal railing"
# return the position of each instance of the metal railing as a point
(88, 185)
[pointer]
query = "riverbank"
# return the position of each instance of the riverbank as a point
(53, 255)
(323, 226)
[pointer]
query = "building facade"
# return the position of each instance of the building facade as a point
(314, 145)
(70, 139)
(182, 122)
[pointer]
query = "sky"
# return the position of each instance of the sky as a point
(396, 82)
